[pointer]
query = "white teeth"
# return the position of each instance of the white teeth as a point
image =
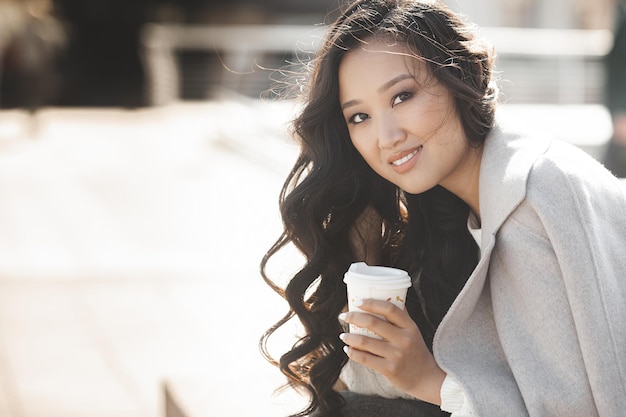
(406, 158)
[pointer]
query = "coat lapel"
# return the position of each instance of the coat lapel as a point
(506, 163)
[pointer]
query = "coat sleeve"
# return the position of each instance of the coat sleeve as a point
(583, 209)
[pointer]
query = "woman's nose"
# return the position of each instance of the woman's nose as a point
(390, 132)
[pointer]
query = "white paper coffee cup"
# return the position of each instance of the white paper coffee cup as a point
(376, 282)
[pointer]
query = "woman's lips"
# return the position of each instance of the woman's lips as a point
(405, 158)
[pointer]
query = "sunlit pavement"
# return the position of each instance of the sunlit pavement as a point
(129, 250)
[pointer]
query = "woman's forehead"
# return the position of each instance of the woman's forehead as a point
(388, 55)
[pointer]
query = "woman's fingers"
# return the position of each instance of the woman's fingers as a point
(401, 356)
(368, 319)
(389, 310)
(365, 350)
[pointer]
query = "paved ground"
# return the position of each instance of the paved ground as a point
(129, 251)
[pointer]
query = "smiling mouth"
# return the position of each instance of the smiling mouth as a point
(408, 157)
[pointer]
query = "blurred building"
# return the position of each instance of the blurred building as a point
(31, 43)
(96, 61)
(549, 14)
(90, 52)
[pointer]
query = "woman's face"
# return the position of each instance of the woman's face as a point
(403, 121)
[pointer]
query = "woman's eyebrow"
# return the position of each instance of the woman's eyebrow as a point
(393, 82)
(380, 90)
(350, 103)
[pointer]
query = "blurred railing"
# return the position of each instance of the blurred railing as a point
(537, 65)
(556, 66)
(202, 61)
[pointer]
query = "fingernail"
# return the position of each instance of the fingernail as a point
(346, 349)
(343, 316)
(342, 336)
(358, 302)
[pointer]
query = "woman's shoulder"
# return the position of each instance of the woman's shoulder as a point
(548, 161)
(564, 165)
(567, 181)
(550, 175)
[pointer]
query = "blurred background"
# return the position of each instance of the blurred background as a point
(143, 144)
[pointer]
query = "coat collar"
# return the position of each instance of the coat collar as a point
(505, 165)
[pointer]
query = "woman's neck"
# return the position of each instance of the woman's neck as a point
(465, 184)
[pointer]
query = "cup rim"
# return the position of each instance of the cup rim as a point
(380, 276)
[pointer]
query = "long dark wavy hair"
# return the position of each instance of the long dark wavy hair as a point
(331, 192)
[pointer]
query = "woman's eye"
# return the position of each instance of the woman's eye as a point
(358, 118)
(401, 97)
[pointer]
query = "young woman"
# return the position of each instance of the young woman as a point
(516, 244)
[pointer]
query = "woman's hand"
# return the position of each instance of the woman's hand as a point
(402, 356)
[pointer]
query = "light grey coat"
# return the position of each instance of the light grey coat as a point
(540, 327)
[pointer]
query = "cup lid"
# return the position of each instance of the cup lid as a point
(361, 273)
